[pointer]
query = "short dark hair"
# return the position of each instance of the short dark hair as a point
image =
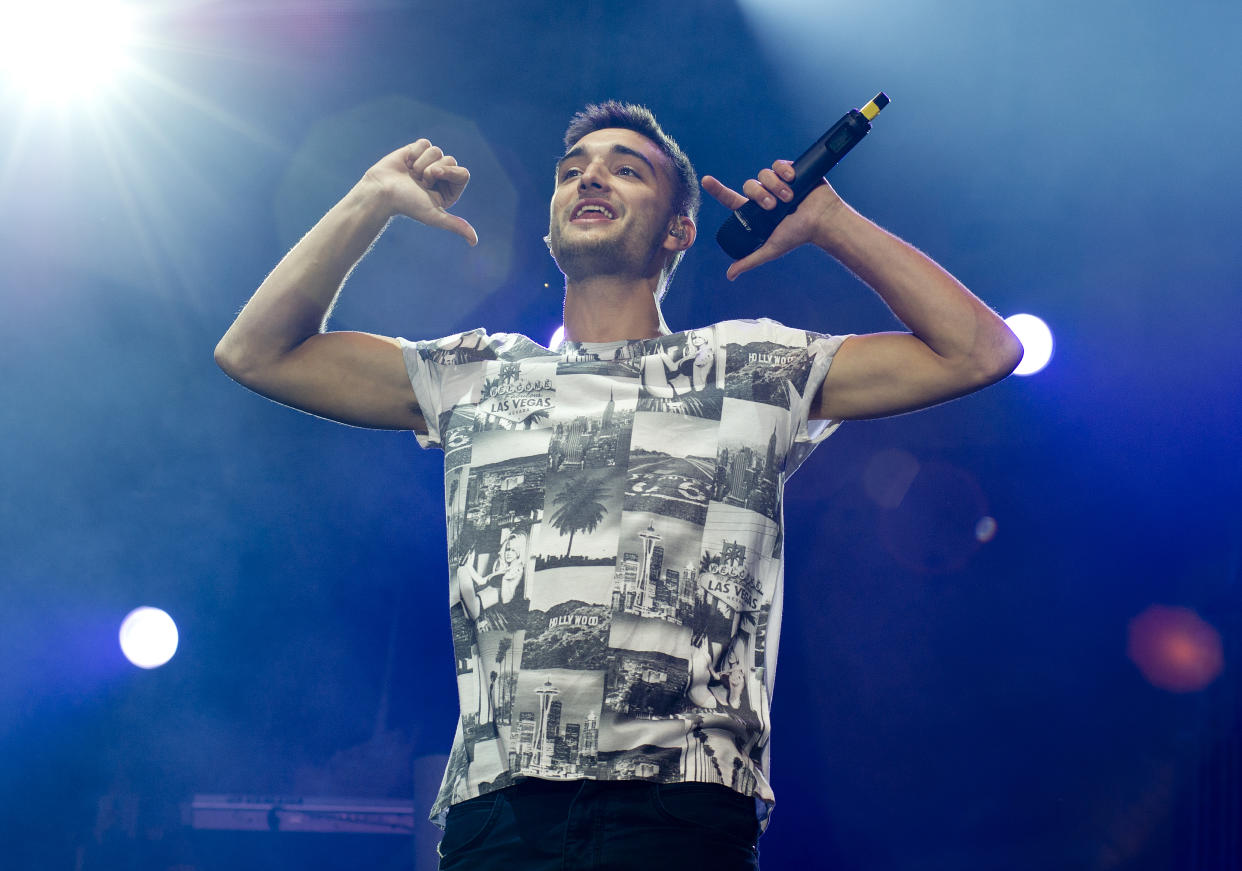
(640, 119)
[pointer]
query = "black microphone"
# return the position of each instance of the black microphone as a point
(751, 225)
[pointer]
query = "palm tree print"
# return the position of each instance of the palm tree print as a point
(580, 507)
(502, 651)
(535, 417)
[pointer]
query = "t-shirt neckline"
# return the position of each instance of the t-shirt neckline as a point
(620, 349)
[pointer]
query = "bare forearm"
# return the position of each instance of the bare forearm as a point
(933, 304)
(956, 343)
(294, 301)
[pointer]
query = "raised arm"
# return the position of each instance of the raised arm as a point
(956, 344)
(279, 347)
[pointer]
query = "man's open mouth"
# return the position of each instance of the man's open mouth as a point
(593, 210)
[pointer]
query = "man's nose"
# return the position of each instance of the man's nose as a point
(595, 175)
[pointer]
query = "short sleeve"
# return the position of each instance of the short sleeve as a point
(423, 369)
(821, 350)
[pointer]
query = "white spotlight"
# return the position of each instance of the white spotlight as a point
(557, 337)
(1036, 341)
(148, 637)
(58, 49)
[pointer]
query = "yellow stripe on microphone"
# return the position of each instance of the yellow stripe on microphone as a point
(873, 108)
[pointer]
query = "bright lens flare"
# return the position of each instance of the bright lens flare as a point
(1036, 341)
(55, 50)
(148, 637)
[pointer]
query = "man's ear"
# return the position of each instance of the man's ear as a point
(681, 233)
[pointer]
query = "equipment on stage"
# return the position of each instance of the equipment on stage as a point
(279, 814)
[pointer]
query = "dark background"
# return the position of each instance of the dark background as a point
(944, 703)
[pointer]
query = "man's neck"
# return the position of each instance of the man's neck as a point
(611, 309)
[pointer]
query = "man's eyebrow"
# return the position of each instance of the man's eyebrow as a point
(578, 151)
(621, 149)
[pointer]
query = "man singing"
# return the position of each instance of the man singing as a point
(614, 504)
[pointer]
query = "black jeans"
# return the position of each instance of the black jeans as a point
(587, 825)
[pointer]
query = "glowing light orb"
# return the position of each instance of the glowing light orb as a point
(985, 529)
(1036, 341)
(1175, 649)
(557, 337)
(60, 49)
(148, 637)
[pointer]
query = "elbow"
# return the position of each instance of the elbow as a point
(1003, 355)
(223, 357)
(1011, 351)
(228, 358)
(997, 352)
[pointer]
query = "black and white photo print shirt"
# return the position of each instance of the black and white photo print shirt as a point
(615, 548)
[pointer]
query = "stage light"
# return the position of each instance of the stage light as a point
(985, 529)
(148, 637)
(1175, 649)
(557, 337)
(1036, 341)
(55, 50)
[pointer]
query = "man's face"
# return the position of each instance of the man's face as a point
(612, 206)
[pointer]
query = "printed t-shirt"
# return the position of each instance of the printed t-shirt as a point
(615, 548)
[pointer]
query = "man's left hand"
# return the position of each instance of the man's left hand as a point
(770, 188)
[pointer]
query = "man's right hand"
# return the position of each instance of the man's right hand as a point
(278, 345)
(422, 182)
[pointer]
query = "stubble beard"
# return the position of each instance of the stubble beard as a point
(599, 254)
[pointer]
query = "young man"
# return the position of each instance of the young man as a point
(613, 505)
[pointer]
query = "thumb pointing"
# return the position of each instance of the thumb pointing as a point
(457, 225)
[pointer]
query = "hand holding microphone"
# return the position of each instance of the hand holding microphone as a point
(780, 190)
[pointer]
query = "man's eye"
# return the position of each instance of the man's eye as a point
(626, 170)
(570, 173)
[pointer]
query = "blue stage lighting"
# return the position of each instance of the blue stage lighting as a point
(148, 637)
